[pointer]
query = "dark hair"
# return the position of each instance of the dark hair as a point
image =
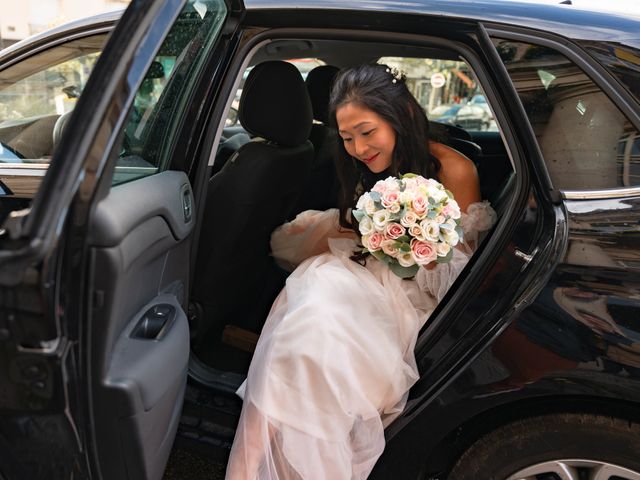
(384, 91)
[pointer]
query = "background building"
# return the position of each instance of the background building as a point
(22, 18)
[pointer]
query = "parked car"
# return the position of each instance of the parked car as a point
(121, 339)
(445, 113)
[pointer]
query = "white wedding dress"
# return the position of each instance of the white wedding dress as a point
(335, 359)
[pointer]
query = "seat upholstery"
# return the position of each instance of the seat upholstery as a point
(321, 187)
(236, 278)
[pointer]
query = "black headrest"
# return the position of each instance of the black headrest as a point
(275, 105)
(319, 82)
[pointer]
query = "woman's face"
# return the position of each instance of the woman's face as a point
(366, 136)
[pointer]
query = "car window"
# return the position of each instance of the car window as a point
(36, 95)
(586, 141)
(448, 90)
(621, 61)
(163, 96)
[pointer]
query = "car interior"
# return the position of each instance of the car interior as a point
(276, 132)
(263, 152)
(274, 159)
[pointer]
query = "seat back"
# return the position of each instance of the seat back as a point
(321, 188)
(251, 195)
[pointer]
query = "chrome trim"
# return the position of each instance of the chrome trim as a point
(600, 194)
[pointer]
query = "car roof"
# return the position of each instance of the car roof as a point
(565, 20)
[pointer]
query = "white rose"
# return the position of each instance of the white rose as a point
(388, 247)
(365, 226)
(405, 198)
(430, 230)
(443, 249)
(380, 219)
(408, 219)
(409, 183)
(416, 232)
(391, 183)
(406, 259)
(438, 194)
(370, 206)
(362, 200)
(450, 236)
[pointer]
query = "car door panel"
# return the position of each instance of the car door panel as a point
(139, 336)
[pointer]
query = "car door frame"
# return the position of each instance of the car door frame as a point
(43, 254)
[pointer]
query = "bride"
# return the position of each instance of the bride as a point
(334, 362)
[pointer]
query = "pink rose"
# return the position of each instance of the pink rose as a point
(420, 206)
(390, 198)
(375, 241)
(380, 187)
(394, 230)
(423, 252)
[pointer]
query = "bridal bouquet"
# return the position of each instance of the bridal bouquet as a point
(407, 222)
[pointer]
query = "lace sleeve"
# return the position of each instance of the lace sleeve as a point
(306, 236)
(475, 223)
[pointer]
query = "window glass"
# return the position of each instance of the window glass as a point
(36, 95)
(587, 143)
(622, 61)
(448, 91)
(163, 96)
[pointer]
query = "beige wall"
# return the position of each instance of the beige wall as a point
(21, 18)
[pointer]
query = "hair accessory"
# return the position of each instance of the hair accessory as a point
(396, 74)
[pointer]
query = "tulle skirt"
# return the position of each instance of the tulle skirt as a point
(333, 365)
(335, 359)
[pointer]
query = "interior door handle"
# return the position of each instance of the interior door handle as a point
(187, 204)
(154, 323)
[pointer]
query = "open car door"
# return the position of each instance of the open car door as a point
(94, 276)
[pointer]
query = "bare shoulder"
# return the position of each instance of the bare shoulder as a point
(454, 165)
(457, 173)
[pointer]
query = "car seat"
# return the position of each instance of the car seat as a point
(236, 278)
(321, 187)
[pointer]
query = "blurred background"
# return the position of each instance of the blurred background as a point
(22, 18)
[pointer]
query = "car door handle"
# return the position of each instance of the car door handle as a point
(187, 203)
(154, 323)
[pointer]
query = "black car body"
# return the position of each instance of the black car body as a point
(529, 366)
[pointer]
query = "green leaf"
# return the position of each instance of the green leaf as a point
(432, 214)
(375, 196)
(404, 272)
(403, 238)
(380, 255)
(449, 193)
(409, 175)
(358, 214)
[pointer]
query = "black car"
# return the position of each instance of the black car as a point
(134, 261)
